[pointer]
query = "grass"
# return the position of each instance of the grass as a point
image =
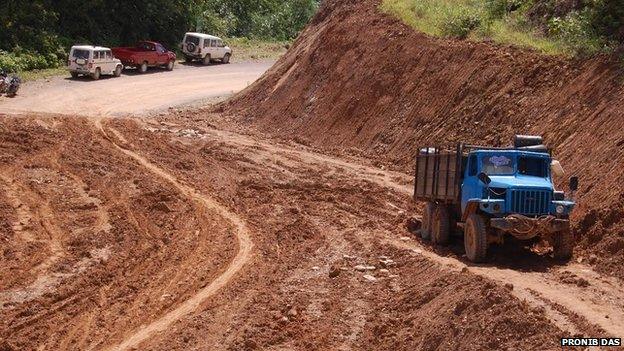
(471, 19)
(42, 73)
(254, 49)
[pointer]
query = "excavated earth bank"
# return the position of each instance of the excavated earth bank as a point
(359, 78)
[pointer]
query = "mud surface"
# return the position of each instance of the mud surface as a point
(167, 234)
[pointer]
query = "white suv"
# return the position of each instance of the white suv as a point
(204, 47)
(93, 61)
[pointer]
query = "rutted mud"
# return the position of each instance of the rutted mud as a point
(245, 247)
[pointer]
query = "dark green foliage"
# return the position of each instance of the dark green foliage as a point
(38, 33)
(608, 18)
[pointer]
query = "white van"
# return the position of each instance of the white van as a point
(204, 47)
(93, 61)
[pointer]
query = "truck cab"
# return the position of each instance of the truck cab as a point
(492, 193)
(518, 182)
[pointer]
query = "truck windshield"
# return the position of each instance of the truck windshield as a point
(497, 165)
(532, 166)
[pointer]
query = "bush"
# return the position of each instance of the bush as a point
(576, 32)
(497, 9)
(459, 25)
(26, 61)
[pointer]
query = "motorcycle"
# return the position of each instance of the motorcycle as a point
(9, 84)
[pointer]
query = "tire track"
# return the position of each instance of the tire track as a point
(189, 306)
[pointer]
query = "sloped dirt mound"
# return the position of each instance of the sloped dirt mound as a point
(357, 78)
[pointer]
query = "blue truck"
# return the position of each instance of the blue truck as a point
(492, 193)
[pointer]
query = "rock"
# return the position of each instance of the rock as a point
(316, 268)
(509, 286)
(384, 271)
(370, 278)
(334, 272)
(417, 251)
(393, 276)
(347, 257)
(292, 312)
(387, 263)
(464, 270)
(405, 238)
(360, 268)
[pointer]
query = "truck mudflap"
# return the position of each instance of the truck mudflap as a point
(525, 228)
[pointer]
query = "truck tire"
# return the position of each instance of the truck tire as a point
(425, 228)
(563, 245)
(475, 238)
(74, 75)
(170, 65)
(206, 60)
(226, 58)
(188, 59)
(117, 72)
(440, 225)
(96, 75)
(143, 67)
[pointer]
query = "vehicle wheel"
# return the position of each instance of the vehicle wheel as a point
(440, 225)
(475, 238)
(170, 65)
(74, 75)
(563, 245)
(226, 58)
(188, 59)
(143, 67)
(425, 228)
(118, 70)
(96, 74)
(206, 60)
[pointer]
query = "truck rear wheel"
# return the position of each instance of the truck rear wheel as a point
(440, 225)
(475, 238)
(118, 70)
(563, 245)
(425, 228)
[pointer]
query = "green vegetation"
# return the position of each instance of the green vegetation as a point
(37, 34)
(544, 25)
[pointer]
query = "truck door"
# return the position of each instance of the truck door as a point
(470, 187)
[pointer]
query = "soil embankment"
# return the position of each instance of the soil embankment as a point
(361, 79)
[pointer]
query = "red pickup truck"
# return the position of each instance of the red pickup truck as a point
(145, 54)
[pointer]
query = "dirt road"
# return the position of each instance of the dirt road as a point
(137, 233)
(134, 93)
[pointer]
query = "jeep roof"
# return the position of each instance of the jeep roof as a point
(89, 47)
(202, 35)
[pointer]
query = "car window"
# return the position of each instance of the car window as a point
(533, 166)
(96, 55)
(206, 43)
(497, 165)
(109, 55)
(81, 54)
(160, 48)
(192, 39)
(220, 43)
(213, 43)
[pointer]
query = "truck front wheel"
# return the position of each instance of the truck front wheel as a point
(563, 245)
(475, 238)
(440, 225)
(425, 228)
(143, 67)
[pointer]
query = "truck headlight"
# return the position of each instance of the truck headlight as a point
(560, 209)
